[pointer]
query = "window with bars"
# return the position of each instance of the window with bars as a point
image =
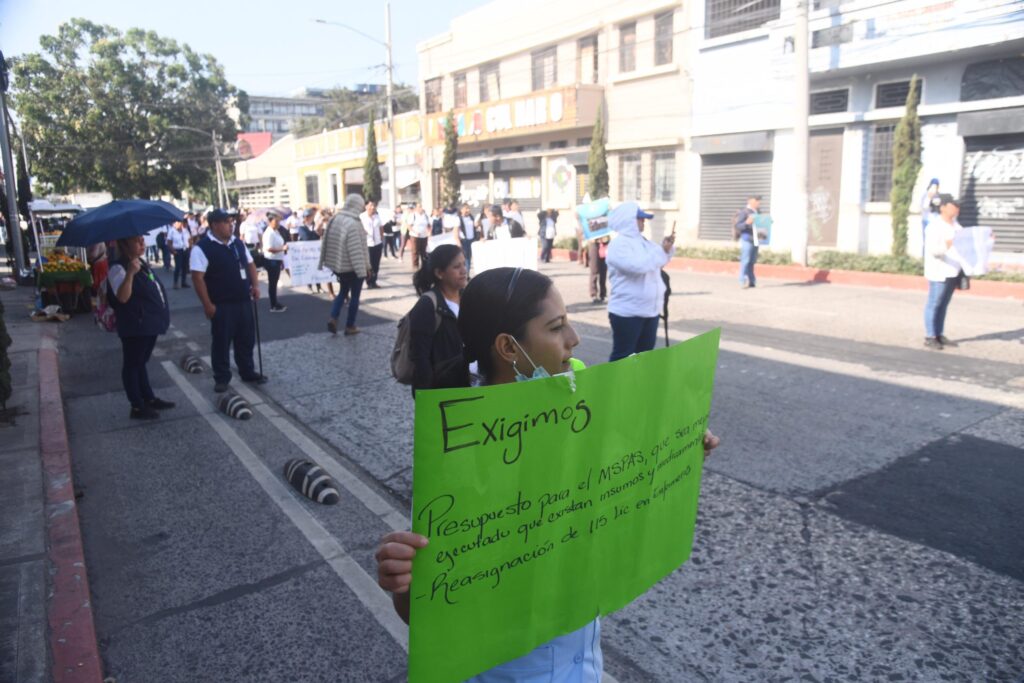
(313, 189)
(833, 35)
(460, 90)
(663, 38)
(895, 94)
(830, 101)
(627, 48)
(663, 177)
(629, 177)
(432, 94)
(880, 162)
(586, 62)
(490, 83)
(545, 68)
(828, 4)
(723, 17)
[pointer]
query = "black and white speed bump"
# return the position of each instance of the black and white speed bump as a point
(234, 406)
(310, 480)
(191, 365)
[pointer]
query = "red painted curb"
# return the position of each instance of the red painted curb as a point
(985, 288)
(73, 643)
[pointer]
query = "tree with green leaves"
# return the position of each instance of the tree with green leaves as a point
(371, 167)
(597, 181)
(5, 361)
(906, 165)
(106, 110)
(344, 106)
(451, 181)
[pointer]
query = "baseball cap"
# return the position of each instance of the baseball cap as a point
(308, 212)
(640, 213)
(216, 215)
(948, 199)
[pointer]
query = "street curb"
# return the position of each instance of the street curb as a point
(72, 633)
(984, 288)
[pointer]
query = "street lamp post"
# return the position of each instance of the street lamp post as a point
(218, 167)
(389, 67)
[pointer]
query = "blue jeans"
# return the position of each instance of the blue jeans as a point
(748, 257)
(467, 251)
(347, 282)
(545, 252)
(632, 335)
(233, 325)
(939, 295)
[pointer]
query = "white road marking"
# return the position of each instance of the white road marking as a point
(192, 346)
(348, 570)
(838, 367)
(178, 333)
(159, 353)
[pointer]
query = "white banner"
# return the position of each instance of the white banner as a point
(513, 253)
(303, 258)
(434, 241)
(972, 248)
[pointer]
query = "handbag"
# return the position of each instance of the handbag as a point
(962, 281)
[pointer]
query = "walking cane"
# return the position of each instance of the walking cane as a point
(668, 292)
(259, 344)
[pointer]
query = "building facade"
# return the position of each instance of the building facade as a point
(525, 82)
(321, 169)
(863, 54)
(277, 115)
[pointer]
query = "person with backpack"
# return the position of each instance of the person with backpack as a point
(142, 314)
(435, 347)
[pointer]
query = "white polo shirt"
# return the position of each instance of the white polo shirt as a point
(198, 262)
(372, 226)
(178, 239)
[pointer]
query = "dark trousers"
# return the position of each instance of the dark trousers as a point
(632, 335)
(545, 252)
(390, 244)
(165, 254)
(273, 269)
(421, 252)
(179, 267)
(349, 283)
(375, 254)
(233, 324)
(598, 272)
(467, 251)
(135, 353)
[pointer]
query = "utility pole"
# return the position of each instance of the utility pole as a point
(13, 223)
(392, 174)
(801, 132)
(221, 190)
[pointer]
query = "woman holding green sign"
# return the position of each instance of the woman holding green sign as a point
(513, 322)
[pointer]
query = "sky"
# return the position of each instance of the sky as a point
(267, 47)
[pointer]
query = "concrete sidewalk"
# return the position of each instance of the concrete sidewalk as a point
(46, 627)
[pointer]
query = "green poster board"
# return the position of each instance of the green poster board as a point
(546, 507)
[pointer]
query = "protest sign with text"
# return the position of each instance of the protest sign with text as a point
(303, 259)
(520, 252)
(548, 505)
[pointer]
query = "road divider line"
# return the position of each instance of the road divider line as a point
(365, 588)
(192, 346)
(935, 385)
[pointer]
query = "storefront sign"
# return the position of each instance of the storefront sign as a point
(561, 183)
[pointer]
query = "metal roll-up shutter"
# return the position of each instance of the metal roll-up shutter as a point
(726, 181)
(475, 190)
(524, 187)
(992, 188)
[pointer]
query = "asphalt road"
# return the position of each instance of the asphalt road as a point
(859, 522)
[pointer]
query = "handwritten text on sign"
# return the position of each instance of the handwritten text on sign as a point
(303, 259)
(547, 507)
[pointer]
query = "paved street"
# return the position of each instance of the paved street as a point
(860, 522)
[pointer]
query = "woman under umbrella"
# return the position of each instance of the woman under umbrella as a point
(140, 302)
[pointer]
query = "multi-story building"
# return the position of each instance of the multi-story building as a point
(321, 169)
(863, 54)
(525, 81)
(277, 115)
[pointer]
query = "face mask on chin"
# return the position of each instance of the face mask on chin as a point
(539, 372)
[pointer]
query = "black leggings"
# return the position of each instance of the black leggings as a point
(273, 275)
(136, 352)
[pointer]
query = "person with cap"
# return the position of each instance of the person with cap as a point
(374, 228)
(942, 272)
(274, 248)
(226, 283)
(750, 238)
(344, 252)
(634, 266)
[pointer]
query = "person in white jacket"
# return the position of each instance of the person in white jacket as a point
(941, 271)
(634, 267)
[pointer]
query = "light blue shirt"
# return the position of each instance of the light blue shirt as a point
(572, 658)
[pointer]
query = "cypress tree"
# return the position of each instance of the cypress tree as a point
(450, 178)
(906, 164)
(597, 182)
(371, 167)
(5, 361)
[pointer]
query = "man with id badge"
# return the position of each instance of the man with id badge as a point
(225, 280)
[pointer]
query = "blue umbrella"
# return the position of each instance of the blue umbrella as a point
(119, 219)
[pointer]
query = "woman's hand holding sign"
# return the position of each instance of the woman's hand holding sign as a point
(394, 566)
